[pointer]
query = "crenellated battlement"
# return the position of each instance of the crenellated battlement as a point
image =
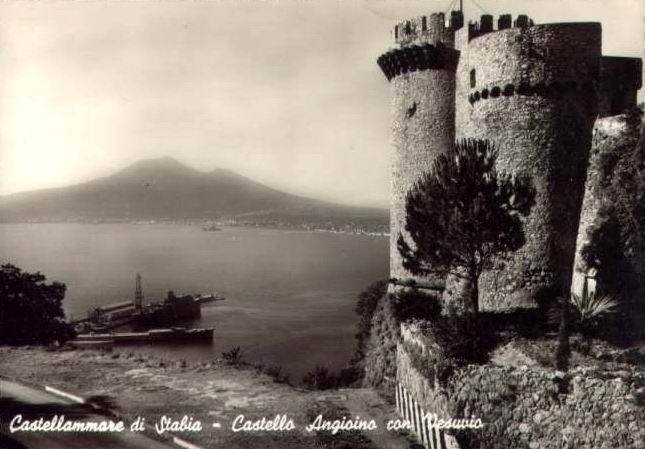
(504, 21)
(620, 79)
(418, 57)
(621, 71)
(430, 29)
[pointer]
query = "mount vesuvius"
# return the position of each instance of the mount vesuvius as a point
(166, 190)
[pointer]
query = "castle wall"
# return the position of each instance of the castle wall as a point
(416, 141)
(620, 79)
(611, 180)
(422, 83)
(423, 30)
(534, 98)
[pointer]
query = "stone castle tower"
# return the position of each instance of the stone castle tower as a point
(535, 92)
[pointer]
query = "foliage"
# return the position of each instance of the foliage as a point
(365, 307)
(380, 351)
(581, 312)
(590, 306)
(276, 373)
(529, 323)
(605, 250)
(233, 356)
(435, 365)
(622, 186)
(617, 236)
(32, 311)
(462, 213)
(460, 338)
(320, 379)
(608, 254)
(349, 376)
(414, 304)
(584, 311)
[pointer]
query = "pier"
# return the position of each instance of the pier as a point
(101, 340)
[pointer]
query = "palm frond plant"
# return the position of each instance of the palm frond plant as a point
(583, 312)
(587, 309)
(591, 305)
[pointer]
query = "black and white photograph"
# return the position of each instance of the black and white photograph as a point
(322, 224)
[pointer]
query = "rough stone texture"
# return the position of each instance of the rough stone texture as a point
(426, 393)
(544, 133)
(536, 92)
(413, 31)
(423, 117)
(613, 165)
(543, 130)
(522, 407)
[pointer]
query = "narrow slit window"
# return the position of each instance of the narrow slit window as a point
(473, 78)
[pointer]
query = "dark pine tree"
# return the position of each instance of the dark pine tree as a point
(31, 311)
(462, 213)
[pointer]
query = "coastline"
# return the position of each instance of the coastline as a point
(223, 225)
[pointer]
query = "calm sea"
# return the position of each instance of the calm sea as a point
(289, 294)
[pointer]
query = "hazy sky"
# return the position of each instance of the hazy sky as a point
(287, 93)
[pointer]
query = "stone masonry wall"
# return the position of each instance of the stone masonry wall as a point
(534, 98)
(615, 153)
(417, 139)
(423, 111)
(524, 407)
(423, 390)
(423, 29)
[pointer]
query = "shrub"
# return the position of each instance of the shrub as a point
(380, 352)
(31, 311)
(459, 340)
(414, 304)
(233, 356)
(529, 323)
(433, 365)
(349, 376)
(320, 379)
(365, 307)
(582, 313)
(276, 373)
(587, 310)
(591, 306)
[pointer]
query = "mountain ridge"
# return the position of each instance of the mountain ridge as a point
(164, 189)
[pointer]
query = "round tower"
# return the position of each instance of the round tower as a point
(421, 71)
(532, 91)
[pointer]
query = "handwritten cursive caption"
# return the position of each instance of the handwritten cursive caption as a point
(278, 423)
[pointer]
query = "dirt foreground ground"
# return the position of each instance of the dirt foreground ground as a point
(213, 393)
